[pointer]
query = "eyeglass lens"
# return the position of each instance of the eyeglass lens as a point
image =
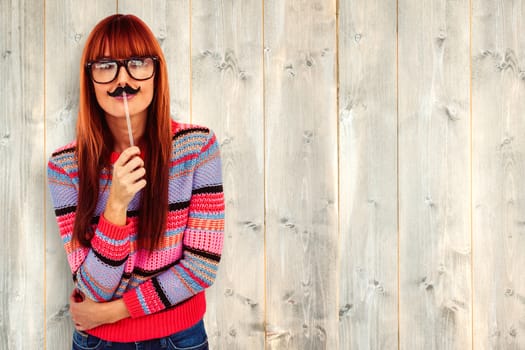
(105, 71)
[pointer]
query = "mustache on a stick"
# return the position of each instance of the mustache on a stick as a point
(127, 89)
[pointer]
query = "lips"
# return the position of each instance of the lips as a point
(128, 97)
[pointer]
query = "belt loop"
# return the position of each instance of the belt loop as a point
(163, 343)
(83, 337)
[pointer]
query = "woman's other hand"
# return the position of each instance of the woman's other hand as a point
(87, 314)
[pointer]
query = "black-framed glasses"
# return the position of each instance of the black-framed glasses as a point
(106, 70)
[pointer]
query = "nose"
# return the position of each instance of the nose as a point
(122, 76)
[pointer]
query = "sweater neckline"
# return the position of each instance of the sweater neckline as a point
(114, 156)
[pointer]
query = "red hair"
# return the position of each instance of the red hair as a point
(123, 36)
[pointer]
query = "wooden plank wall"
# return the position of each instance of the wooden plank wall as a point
(22, 191)
(227, 95)
(373, 160)
(300, 106)
(498, 165)
(434, 173)
(367, 275)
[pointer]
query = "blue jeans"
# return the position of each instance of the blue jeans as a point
(193, 338)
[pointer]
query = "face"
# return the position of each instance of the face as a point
(137, 103)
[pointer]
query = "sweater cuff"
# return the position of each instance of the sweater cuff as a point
(113, 231)
(110, 240)
(142, 300)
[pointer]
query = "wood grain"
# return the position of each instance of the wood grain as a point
(22, 173)
(498, 129)
(227, 96)
(368, 288)
(434, 192)
(301, 174)
(67, 26)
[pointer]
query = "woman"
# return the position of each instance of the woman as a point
(142, 225)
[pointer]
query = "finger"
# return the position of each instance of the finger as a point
(130, 180)
(131, 185)
(133, 163)
(72, 306)
(126, 155)
(77, 295)
(134, 176)
(137, 186)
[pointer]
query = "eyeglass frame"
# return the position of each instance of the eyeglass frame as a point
(122, 63)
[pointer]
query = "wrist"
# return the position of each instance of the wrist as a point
(115, 213)
(115, 311)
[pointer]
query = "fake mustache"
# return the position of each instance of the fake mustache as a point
(128, 89)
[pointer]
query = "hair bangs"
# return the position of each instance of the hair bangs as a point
(122, 37)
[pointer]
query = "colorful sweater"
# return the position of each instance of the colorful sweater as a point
(164, 290)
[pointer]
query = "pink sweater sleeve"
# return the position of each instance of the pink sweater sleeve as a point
(202, 242)
(97, 270)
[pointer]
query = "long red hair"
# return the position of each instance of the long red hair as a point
(123, 36)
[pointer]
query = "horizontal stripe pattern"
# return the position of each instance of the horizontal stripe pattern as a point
(187, 260)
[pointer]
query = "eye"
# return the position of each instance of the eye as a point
(104, 65)
(137, 62)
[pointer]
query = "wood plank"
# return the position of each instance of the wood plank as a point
(498, 186)
(22, 187)
(368, 288)
(67, 26)
(301, 174)
(434, 196)
(169, 21)
(227, 96)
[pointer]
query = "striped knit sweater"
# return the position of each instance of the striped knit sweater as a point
(164, 290)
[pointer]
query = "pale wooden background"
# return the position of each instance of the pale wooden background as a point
(374, 162)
